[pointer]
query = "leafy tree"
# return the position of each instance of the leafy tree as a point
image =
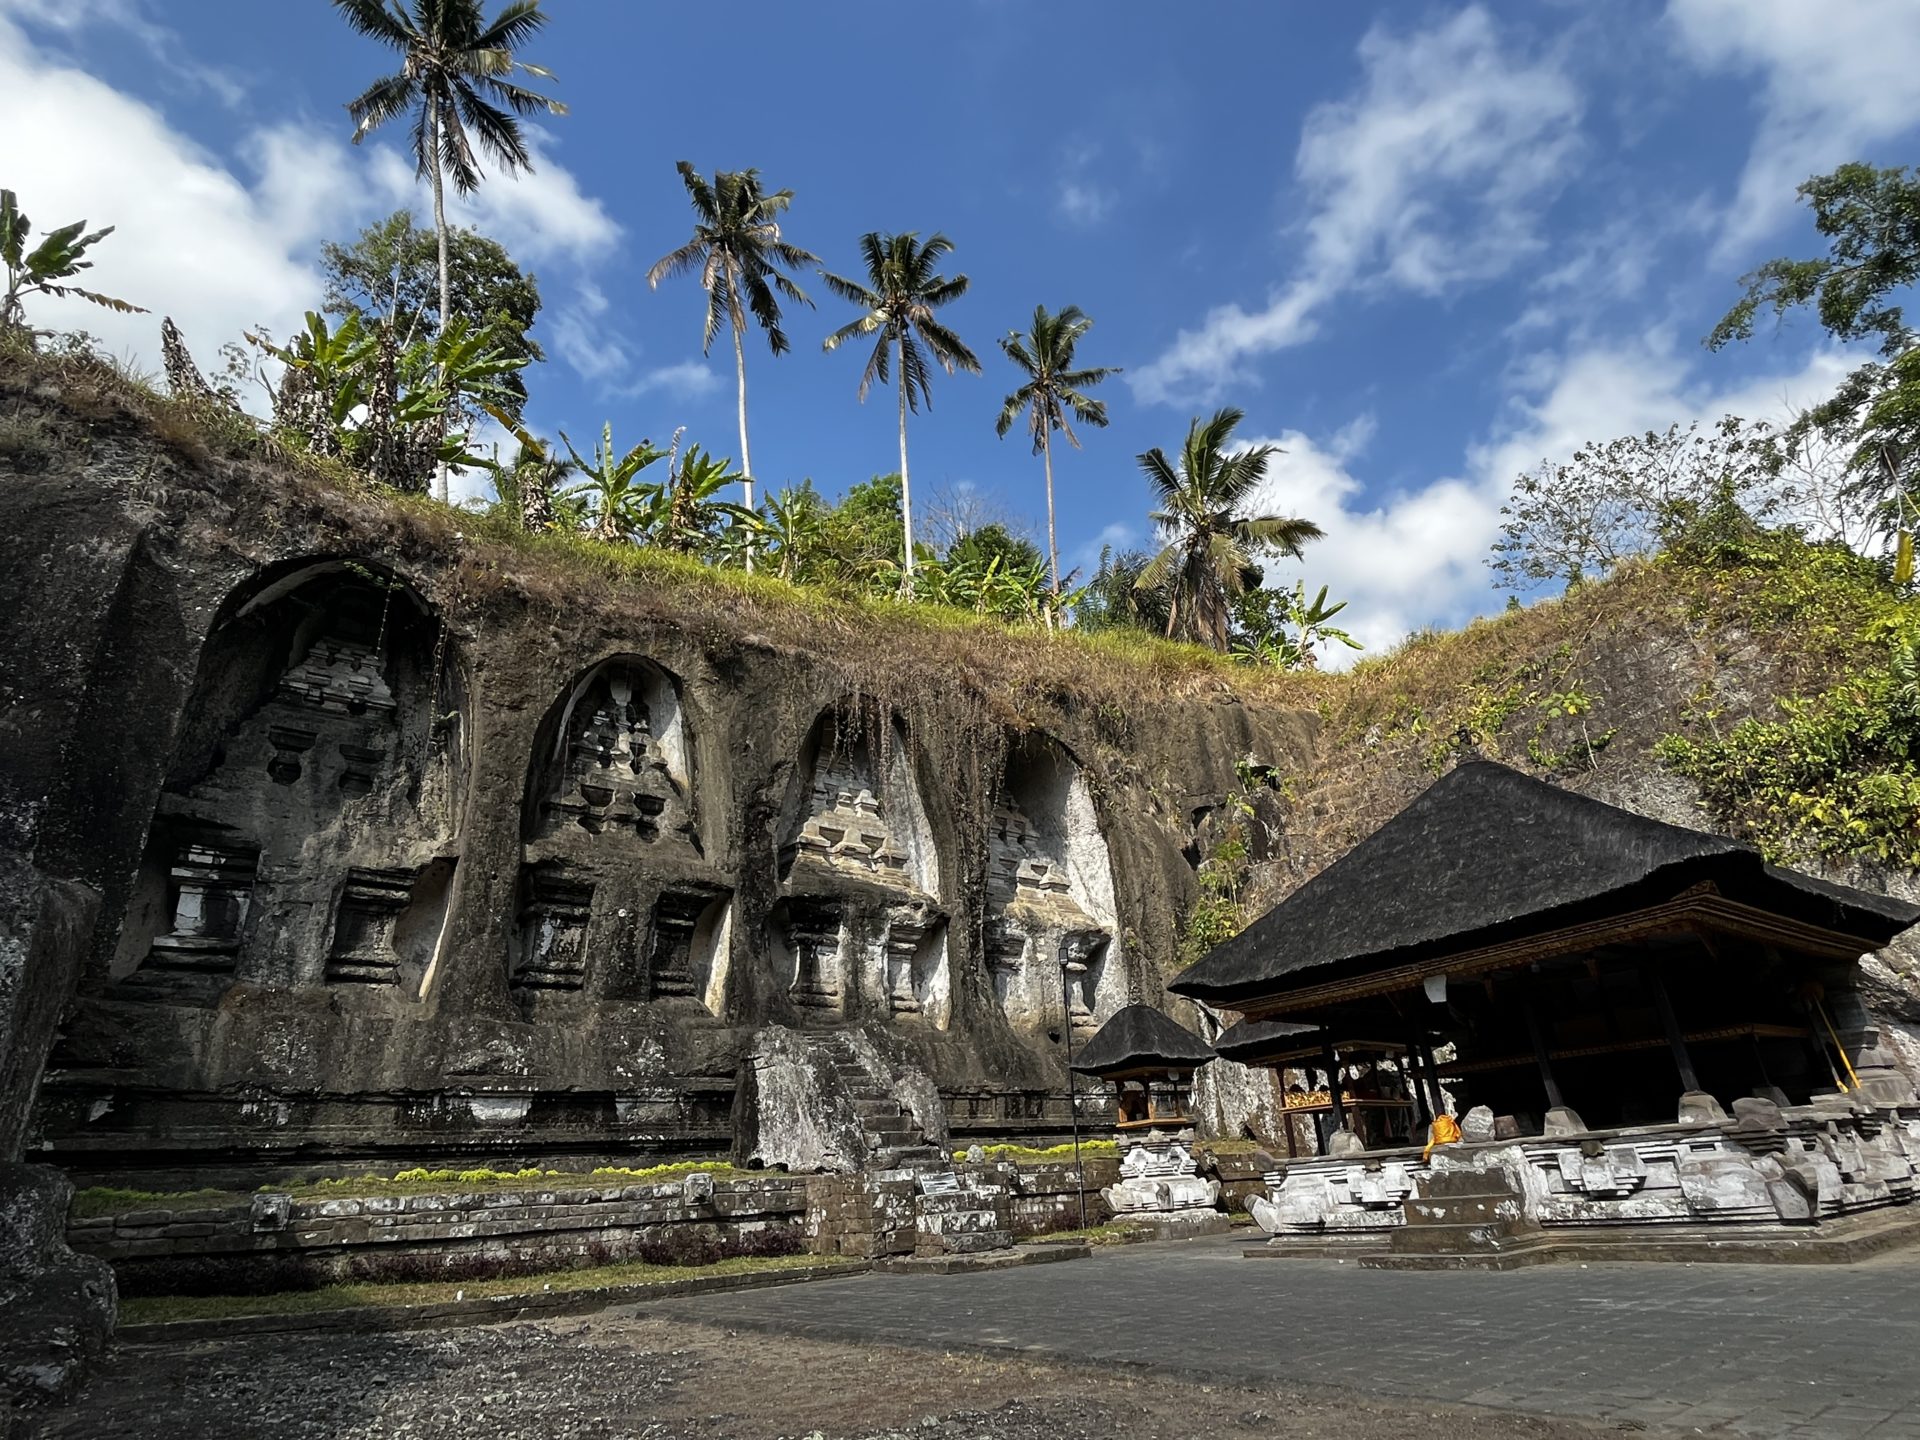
(1629, 496)
(1286, 629)
(1871, 219)
(620, 504)
(455, 78)
(1053, 390)
(391, 273)
(792, 529)
(994, 542)
(1115, 600)
(863, 535)
(351, 391)
(899, 297)
(685, 515)
(1207, 561)
(60, 255)
(737, 245)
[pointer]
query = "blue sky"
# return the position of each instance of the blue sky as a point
(1423, 246)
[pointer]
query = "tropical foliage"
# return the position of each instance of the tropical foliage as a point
(456, 79)
(739, 251)
(1052, 395)
(902, 290)
(1208, 560)
(46, 268)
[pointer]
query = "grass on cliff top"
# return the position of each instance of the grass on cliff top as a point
(114, 1200)
(1052, 1152)
(464, 559)
(153, 1309)
(1114, 1232)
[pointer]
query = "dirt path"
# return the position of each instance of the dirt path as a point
(654, 1379)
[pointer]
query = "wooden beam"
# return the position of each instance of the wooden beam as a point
(1540, 1055)
(1676, 1041)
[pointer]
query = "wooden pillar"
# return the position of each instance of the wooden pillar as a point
(1436, 1101)
(1332, 1058)
(1412, 1076)
(1539, 1034)
(1662, 1002)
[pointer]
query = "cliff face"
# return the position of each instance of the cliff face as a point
(329, 834)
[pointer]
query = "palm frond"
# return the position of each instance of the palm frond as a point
(374, 20)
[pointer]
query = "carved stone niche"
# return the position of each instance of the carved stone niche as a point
(815, 938)
(553, 934)
(210, 888)
(912, 963)
(860, 817)
(1051, 923)
(688, 930)
(616, 773)
(363, 950)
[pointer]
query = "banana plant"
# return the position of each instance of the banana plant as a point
(59, 256)
(621, 504)
(684, 517)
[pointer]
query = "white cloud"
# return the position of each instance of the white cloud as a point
(1417, 556)
(1836, 79)
(684, 379)
(177, 62)
(1080, 199)
(1424, 180)
(226, 246)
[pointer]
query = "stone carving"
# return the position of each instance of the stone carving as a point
(615, 776)
(845, 827)
(212, 887)
(814, 935)
(1045, 949)
(1160, 1177)
(553, 928)
(363, 950)
(670, 962)
(289, 743)
(908, 928)
(339, 676)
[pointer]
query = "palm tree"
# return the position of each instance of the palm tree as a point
(901, 294)
(1208, 557)
(456, 78)
(736, 243)
(1052, 390)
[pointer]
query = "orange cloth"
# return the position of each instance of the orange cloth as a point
(1445, 1131)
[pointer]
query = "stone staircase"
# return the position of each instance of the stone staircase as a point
(1462, 1219)
(894, 1138)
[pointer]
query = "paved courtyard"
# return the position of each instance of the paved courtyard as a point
(1743, 1349)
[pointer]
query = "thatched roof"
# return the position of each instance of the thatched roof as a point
(1141, 1038)
(1251, 1041)
(1487, 855)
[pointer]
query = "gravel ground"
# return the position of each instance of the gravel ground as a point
(630, 1376)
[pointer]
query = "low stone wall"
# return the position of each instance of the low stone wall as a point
(1044, 1196)
(1764, 1165)
(276, 1242)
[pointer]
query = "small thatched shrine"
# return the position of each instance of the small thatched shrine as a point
(1149, 1059)
(1627, 1020)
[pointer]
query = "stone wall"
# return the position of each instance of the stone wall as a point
(276, 1242)
(324, 836)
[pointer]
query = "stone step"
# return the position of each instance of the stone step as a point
(907, 1157)
(894, 1124)
(864, 1106)
(1445, 1210)
(1457, 1239)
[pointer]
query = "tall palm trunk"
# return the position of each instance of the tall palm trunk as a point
(446, 276)
(746, 461)
(906, 490)
(1053, 548)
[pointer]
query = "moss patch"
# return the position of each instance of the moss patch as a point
(153, 1309)
(1018, 1153)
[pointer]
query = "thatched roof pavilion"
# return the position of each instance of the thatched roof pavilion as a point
(1535, 929)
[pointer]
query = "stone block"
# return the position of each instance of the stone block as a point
(1699, 1108)
(1477, 1124)
(1563, 1120)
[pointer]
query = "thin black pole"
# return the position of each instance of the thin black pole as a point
(1073, 1096)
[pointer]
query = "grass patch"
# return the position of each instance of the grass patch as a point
(114, 1200)
(146, 1310)
(1114, 1232)
(111, 1200)
(1052, 1152)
